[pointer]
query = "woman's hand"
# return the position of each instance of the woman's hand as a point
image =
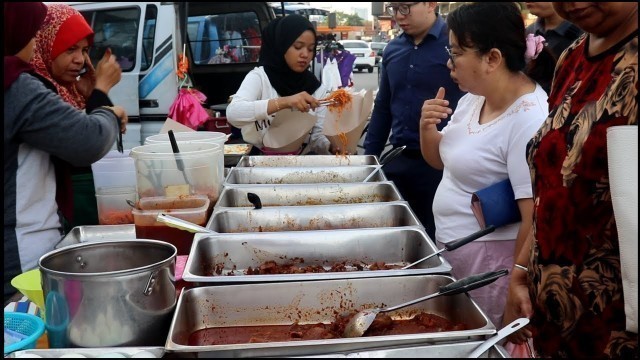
(87, 81)
(518, 305)
(434, 110)
(121, 114)
(108, 73)
(301, 101)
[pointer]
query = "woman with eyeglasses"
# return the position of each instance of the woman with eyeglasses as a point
(484, 141)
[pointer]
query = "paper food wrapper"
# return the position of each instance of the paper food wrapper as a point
(351, 121)
(288, 130)
(171, 124)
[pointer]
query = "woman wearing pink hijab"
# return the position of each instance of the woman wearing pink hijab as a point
(37, 127)
(61, 54)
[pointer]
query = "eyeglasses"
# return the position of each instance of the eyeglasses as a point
(453, 56)
(403, 9)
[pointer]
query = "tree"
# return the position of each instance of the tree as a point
(344, 19)
(354, 20)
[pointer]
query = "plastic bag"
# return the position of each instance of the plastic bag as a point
(187, 108)
(331, 75)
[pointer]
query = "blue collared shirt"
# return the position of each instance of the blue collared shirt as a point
(411, 74)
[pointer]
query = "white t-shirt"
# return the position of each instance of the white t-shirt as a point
(476, 156)
(248, 111)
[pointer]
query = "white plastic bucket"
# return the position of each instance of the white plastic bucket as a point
(114, 170)
(158, 172)
(211, 137)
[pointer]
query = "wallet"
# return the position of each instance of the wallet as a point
(495, 205)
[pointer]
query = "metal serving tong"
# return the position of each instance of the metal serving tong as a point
(326, 102)
(321, 103)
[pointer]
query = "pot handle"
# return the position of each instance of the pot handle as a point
(148, 289)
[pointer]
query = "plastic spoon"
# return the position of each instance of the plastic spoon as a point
(506, 331)
(179, 162)
(456, 244)
(361, 321)
(387, 159)
(177, 223)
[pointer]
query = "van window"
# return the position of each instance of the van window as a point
(224, 38)
(116, 29)
(148, 36)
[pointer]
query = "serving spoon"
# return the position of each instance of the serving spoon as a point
(456, 244)
(361, 321)
(387, 159)
(178, 223)
(503, 333)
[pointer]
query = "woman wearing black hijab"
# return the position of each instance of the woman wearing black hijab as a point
(282, 81)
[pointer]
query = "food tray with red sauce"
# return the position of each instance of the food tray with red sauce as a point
(311, 302)
(311, 255)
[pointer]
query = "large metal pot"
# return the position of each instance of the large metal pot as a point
(109, 293)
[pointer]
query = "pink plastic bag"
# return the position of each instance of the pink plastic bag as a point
(187, 109)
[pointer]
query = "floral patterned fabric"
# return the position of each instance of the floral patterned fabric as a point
(575, 282)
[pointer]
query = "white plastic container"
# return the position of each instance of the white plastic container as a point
(114, 170)
(112, 205)
(158, 173)
(211, 137)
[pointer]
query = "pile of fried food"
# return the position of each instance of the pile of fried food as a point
(295, 266)
(339, 100)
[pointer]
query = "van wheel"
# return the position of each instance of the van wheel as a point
(370, 70)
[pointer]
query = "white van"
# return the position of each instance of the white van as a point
(222, 42)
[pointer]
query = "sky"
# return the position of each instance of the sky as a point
(342, 6)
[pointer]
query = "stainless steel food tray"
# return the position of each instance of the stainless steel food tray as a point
(310, 194)
(157, 351)
(301, 175)
(91, 233)
(307, 160)
(439, 351)
(234, 253)
(317, 217)
(309, 302)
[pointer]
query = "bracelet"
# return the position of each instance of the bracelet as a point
(521, 267)
(277, 105)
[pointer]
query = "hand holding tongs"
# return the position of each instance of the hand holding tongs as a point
(320, 103)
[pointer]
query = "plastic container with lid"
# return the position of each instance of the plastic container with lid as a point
(192, 208)
(158, 172)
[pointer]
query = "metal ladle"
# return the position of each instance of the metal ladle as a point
(387, 159)
(361, 321)
(255, 200)
(456, 244)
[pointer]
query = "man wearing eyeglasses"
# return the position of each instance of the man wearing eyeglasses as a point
(414, 67)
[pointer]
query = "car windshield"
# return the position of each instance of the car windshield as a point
(355, 45)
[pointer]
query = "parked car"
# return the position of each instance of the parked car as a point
(365, 57)
(378, 47)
